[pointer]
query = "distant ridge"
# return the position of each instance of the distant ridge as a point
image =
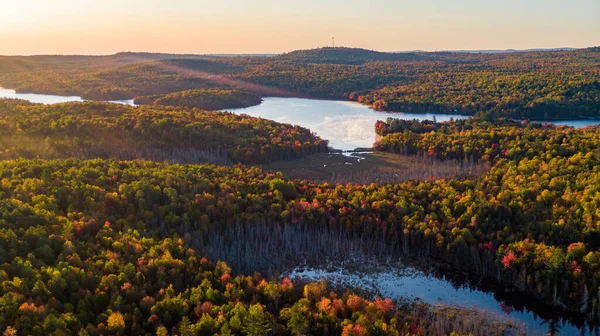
(491, 51)
(319, 55)
(357, 56)
(344, 55)
(168, 55)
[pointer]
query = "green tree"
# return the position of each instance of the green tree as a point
(258, 322)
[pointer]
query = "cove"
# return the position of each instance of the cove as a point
(347, 125)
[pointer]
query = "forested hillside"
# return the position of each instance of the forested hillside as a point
(103, 130)
(342, 55)
(542, 85)
(538, 199)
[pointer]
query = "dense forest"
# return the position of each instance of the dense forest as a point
(103, 130)
(530, 222)
(207, 99)
(122, 220)
(538, 85)
(539, 199)
(95, 248)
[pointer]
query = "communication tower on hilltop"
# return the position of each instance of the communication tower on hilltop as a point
(333, 42)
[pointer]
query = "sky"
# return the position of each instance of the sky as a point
(269, 26)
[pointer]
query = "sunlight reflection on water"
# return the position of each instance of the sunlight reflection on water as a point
(347, 125)
(50, 99)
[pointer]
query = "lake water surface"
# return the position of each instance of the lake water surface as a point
(49, 99)
(347, 125)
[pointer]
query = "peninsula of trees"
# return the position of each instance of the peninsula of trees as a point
(208, 99)
(92, 130)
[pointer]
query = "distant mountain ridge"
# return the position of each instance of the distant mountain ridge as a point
(500, 51)
(357, 56)
(317, 55)
(344, 55)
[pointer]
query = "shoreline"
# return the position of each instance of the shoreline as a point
(341, 100)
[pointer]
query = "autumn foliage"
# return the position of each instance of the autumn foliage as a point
(63, 272)
(159, 133)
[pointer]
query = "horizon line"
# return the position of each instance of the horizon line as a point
(228, 54)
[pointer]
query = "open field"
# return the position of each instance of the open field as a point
(366, 168)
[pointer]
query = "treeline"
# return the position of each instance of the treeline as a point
(525, 85)
(539, 96)
(476, 139)
(343, 55)
(209, 99)
(393, 125)
(102, 130)
(92, 248)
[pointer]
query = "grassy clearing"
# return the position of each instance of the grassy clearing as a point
(366, 168)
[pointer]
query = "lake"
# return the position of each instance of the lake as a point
(49, 99)
(347, 125)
